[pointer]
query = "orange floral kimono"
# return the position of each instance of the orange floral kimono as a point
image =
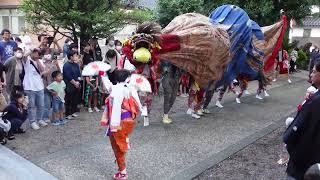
(119, 117)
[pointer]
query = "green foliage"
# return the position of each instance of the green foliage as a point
(80, 18)
(169, 9)
(302, 61)
(265, 12)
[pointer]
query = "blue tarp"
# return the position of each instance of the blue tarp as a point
(241, 30)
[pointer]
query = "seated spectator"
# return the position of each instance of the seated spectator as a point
(16, 113)
(5, 126)
(303, 136)
(57, 89)
(3, 140)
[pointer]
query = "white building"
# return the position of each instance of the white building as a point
(308, 31)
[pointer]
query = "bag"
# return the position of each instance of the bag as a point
(23, 73)
(5, 124)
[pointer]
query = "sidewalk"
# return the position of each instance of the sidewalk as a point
(79, 150)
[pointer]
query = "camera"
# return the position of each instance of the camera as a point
(50, 39)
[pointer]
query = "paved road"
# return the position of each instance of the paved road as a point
(182, 150)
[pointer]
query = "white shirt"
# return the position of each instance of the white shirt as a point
(32, 79)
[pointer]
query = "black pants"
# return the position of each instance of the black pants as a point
(292, 66)
(15, 124)
(170, 89)
(208, 96)
(71, 101)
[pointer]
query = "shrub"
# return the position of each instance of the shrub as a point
(302, 61)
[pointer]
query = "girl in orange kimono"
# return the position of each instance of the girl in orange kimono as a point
(122, 107)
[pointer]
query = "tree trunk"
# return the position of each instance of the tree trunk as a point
(84, 37)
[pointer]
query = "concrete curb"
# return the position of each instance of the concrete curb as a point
(214, 159)
(15, 167)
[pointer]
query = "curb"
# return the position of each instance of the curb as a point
(216, 158)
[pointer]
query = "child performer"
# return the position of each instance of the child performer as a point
(121, 110)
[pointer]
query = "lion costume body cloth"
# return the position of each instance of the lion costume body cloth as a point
(253, 48)
(204, 47)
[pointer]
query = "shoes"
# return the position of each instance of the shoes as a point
(246, 92)
(218, 104)
(200, 113)
(90, 110)
(206, 111)
(56, 123)
(47, 121)
(274, 80)
(120, 176)
(196, 116)
(184, 95)
(42, 123)
(3, 141)
(259, 97)
(35, 126)
(289, 81)
(190, 111)
(69, 117)
(166, 120)
(266, 94)
(75, 115)
(96, 109)
(238, 100)
(63, 121)
(20, 131)
(10, 136)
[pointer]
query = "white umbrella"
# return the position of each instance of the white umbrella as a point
(140, 83)
(93, 68)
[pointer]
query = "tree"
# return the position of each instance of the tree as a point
(266, 12)
(80, 18)
(168, 9)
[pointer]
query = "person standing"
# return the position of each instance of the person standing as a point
(6, 45)
(96, 50)
(87, 56)
(315, 57)
(34, 89)
(57, 88)
(303, 136)
(170, 84)
(72, 76)
(66, 45)
(14, 68)
(50, 65)
(293, 59)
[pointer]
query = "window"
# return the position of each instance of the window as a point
(306, 33)
(13, 20)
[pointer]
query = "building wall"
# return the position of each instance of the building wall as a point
(9, 2)
(297, 33)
